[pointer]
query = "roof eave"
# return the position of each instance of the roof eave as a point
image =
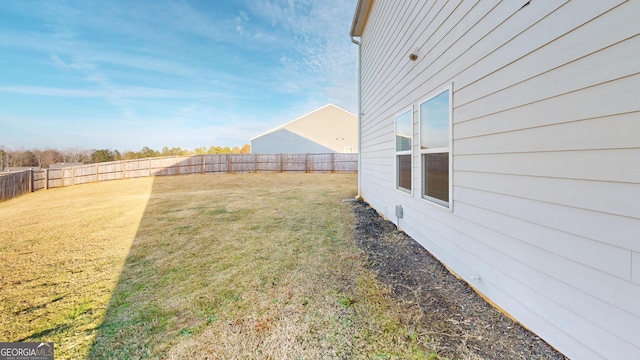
(360, 17)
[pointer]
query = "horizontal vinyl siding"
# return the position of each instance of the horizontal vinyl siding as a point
(608, 197)
(605, 132)
(438, 64)
(599, 165)
(603, 100)
(523, 37)
(635, 272)
(607, 228)
(286, 142)
(561, 51)
(611, 64)
(588, 252)
(531, 270)
(546, 150)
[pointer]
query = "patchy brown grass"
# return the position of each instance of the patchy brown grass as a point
(258, 266)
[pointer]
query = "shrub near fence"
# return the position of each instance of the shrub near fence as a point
(15, 184)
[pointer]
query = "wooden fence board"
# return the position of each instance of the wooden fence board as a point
(268, 162)
(15, 184)
(216, 164)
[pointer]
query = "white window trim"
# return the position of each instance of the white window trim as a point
(431, 200)
(404, 152)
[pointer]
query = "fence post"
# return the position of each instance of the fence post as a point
(229, 165)
(46, 179)
(306, 163)
(204, 163)
(30, 180)
(281, 163)
(333, 162)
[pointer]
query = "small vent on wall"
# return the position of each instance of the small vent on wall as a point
(399, 211)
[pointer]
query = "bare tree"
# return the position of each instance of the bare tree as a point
(4, 159)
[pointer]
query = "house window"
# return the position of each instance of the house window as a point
(435, 145)
(404, 134)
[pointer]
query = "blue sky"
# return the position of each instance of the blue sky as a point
(127, 74)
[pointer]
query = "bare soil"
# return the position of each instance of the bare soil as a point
(461, 323)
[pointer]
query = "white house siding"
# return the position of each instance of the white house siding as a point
(284, 141)
(545, 216)
(329, 129)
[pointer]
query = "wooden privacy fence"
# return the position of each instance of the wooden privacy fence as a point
(14, 184)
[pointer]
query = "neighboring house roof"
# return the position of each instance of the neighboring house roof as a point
(64, 165)
(328, 126)
(287, 142)
(360, 17)
(20, 168)
(403, 142)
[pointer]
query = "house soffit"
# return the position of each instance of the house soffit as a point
(360, 17)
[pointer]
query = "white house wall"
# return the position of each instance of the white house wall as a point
(546, 154)
(329, 129)
(284, 141)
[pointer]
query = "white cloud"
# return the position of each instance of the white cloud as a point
(326, 59)
(240, 20)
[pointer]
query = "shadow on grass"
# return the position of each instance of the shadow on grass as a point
(153, 303)
(200, 254)
(130, 322)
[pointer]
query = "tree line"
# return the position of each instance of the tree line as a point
(44, 158)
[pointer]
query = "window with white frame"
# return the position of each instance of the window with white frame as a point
(435, 148)
(404, 135)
